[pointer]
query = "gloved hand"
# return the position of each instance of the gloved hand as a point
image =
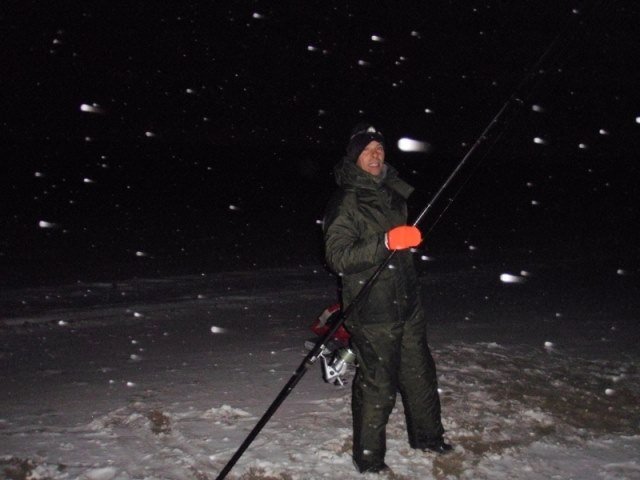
(402, 237)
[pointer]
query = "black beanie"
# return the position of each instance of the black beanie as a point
(362, 134)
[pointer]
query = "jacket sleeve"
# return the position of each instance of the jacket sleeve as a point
(347, 250)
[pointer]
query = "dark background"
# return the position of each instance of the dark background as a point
(220, 124)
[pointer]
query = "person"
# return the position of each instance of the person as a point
(364, 220)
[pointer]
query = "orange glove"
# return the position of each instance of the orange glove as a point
(404, 236)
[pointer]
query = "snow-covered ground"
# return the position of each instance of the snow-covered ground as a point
(164, 378)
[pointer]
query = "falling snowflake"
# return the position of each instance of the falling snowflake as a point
(410, 145)
(45, 224)
(93, 108)
(508, 278)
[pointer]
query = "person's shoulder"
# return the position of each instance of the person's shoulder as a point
(342, 204)
(343, 197)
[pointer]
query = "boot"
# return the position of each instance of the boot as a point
(438, 446)
(372, 468)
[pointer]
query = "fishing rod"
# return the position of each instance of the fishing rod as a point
(316, 352)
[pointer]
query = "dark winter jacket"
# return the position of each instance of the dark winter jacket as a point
(358, 215)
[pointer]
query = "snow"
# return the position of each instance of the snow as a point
(510, 278)
(410, 145)
(79, 400)
(94, 108)
(46, 224)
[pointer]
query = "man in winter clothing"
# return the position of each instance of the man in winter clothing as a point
(366, 219)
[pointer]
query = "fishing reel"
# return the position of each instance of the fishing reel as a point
(335, 366)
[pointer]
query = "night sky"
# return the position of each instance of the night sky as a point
(201, 136)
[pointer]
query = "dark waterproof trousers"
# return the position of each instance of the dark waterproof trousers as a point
(393, 357)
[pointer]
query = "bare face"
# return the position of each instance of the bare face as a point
(372, 158)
